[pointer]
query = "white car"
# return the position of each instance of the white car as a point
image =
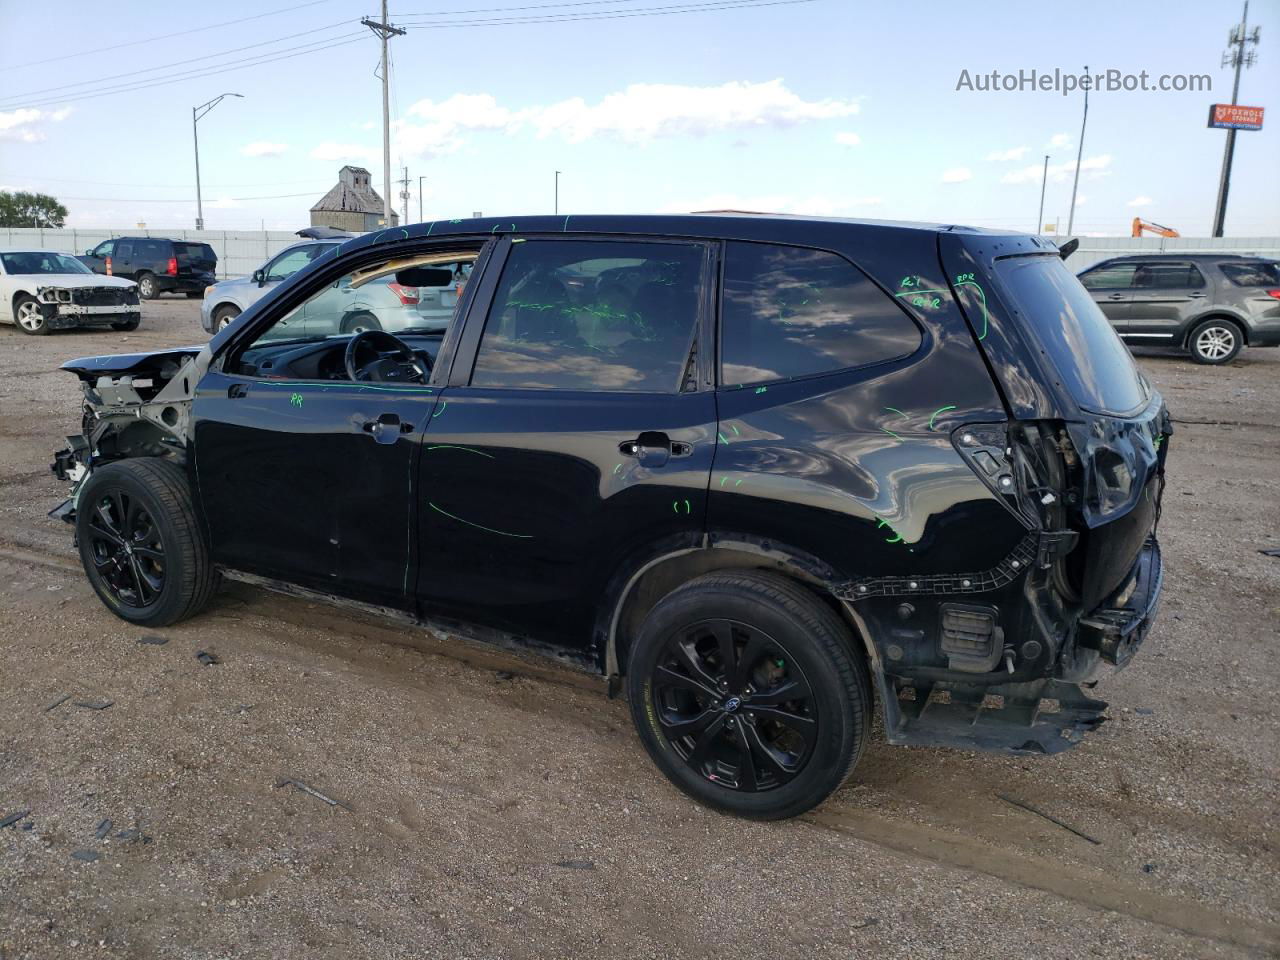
(41, 291)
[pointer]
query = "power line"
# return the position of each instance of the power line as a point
(178, 63)
(278, 196)
(715, 6)
(150, 186)
(527, 6)
(192, 75)
(163, 36)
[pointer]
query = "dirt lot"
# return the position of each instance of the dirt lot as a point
(495, 807)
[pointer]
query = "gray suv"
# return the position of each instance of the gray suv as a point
(1208, 304)
(225, 301)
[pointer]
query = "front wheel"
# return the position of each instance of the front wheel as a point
(223, 316)
(1215, 342)
(140, 543)
(359, 322)
(29, 317)
(748, 693)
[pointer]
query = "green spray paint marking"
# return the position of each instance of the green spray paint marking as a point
(891, 433)
(430, 228)
(565, 228)
(723, 438)
(722, 481)
(454, 446)
(737, 483)
(761, 389)
(897, 411)
(938, 411)
(616, 469)
(456, 221)
(982, 297)
(296, 399)
(675, 506)
(441, 410)
(736, 432)
(501, 533)
(897, 537)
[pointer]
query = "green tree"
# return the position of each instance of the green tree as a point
(22, 209)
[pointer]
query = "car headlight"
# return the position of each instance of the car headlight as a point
(207, 289)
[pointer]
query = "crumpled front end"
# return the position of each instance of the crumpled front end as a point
(68, 307)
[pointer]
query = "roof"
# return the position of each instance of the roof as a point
(346, 196)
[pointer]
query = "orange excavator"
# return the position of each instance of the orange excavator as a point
(1140, 225)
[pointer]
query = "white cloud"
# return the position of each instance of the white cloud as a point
(1092, 168)
(1004, 156)
(848, 138)
(431, 129)
(344, 153)
(646, 111)
(1081, 199)
(263, 148)
(1141, 201)
(957, 175)
(24, 125)
(1059, 141)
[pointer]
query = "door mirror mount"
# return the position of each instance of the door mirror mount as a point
(259, 277)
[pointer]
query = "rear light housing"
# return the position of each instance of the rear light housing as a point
(1274, 293)
(408, 295)
(172, 269)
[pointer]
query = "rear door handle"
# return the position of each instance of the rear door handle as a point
(387, 428)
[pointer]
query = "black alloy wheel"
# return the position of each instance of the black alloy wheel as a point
(734, 705)
(126, 548)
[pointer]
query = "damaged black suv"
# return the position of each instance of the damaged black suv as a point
(761, 472)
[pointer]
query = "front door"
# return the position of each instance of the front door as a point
(1165, 295)
(575, 435)
(305, 474)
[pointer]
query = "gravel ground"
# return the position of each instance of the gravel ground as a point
(493, 806)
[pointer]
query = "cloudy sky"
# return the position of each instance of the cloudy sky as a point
(830, 107)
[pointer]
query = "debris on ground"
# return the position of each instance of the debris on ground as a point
(1048, 816)
(59, 702)
(1272, 552)
(103, 829)
(505, 675)
(94, 704)
(305, 788)
(207, 658)
(88, 856)
(577, 864)
(869, 922)
(133, 833)
(13, 818)
(154, 639)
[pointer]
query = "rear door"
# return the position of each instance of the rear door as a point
(1111, 285)
(576, 434)
(1166, 295)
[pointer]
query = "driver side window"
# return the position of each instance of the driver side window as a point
(287, 264)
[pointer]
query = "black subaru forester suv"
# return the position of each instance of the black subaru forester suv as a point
(758, 471)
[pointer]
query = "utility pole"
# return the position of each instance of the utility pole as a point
(557, 200)
(420, 179)
(1043, 180)
(1071, 216)
(404, 197)
(196, 114)
(1236, 56)
(385, 32)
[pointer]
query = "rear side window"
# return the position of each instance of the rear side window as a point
(794, 312)
(1115, 276)
(1094, 365)
(193, 251)
(1260, 274)
(151, 249)
(592, 315)
(1167, 276)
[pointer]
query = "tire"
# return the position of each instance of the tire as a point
(27, 316)
(126, 324)
(148, 289)
(361, 320)
(223, 316)
(1214, 342)
(799, 644)
(140, 543)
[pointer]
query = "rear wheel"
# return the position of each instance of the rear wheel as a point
(28, 316)
(140, 543)
(148, 289)
(360, 322)
(747, 694)
(1215, 341)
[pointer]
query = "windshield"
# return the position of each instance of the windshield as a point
(1091, 359)
(41, 262)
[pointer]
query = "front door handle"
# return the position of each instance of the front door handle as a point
(387, 428)
(653, 448)
(1117, 296)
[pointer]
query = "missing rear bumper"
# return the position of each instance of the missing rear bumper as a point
(1117, 629)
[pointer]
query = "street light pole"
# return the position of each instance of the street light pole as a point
(420, 179)
(196, 114)
(1044, 178)
(557, 200)
(1071, 215)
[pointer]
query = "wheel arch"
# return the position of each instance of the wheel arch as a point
(640, 586)
(1216, 314)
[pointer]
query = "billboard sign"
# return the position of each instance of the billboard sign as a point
(1231, 116)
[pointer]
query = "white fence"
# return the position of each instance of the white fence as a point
(240, 252)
